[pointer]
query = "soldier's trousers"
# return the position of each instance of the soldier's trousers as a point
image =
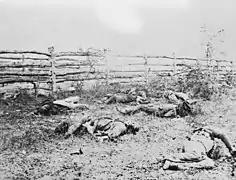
(194, 157)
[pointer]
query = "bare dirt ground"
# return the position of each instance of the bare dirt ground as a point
(30, 149)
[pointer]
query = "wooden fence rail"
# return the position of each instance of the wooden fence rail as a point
(24, 52)
(58, 67)
(171, 58)
(20, 58)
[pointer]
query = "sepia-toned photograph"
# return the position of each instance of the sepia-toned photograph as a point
(117, 90)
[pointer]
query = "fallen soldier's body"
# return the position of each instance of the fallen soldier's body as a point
(119, 98)
(100, 128)
(165, 110)
(53, 107)
(176, 97)
(132, 96)
(199, 151)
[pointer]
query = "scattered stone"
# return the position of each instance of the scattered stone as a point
(77, 152)
(154, 174)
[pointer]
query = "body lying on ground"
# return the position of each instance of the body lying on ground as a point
(53, 107)
(176, 97)
(101, 128)
(165, 110)
(199, 150)
(181, 105)
(131, 96)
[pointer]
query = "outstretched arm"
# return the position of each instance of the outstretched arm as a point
(217, 133)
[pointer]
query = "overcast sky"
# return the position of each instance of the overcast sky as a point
(158, 27)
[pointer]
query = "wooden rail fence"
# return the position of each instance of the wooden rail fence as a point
(50, 70)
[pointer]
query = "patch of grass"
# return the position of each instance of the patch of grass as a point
(132, 156)
(34, 135)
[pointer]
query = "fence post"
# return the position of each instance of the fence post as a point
(23, 60)
(52, 70)
(174, 67)
(174, 64)
(36, 86)
(107, 67)
(146, 68)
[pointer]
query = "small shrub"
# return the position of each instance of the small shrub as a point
(199, 82)
(159, 84)
(194, 80)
